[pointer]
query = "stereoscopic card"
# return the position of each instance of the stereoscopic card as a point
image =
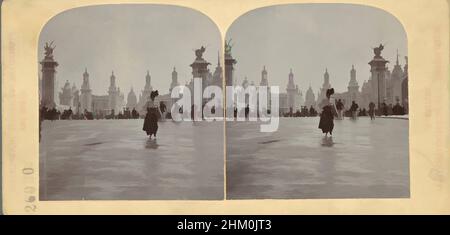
(225, 107)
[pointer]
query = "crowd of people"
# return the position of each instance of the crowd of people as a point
(352, 112)
(330, 111)
(339, 112)
(303, 112)
(384, 110)
(68, 114)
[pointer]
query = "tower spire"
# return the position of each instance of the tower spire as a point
(218, 59)
(397, 57)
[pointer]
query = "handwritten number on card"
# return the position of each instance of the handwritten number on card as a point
(30, 197)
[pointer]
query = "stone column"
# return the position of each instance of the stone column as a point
(48, 77)
(378, 70)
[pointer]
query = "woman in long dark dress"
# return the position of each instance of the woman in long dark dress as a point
(372, 110)
(162, 109)
(151, 118)
(326, 117)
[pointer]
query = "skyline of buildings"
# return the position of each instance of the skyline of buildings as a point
(292, 97)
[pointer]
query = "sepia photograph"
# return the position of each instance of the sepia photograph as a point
(342, 73)
(105, 84)
(224, 107)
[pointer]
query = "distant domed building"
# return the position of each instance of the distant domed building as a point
(310, 98)
(131, 100)
(66, 95)
(245, 83)
(365, 94)
(76, 98)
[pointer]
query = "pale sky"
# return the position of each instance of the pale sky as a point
(311, 37)
(129, 39)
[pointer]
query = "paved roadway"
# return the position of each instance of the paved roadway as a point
(364, 159)
(113, 159)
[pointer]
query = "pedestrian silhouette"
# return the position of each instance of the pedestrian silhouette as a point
(151, 118)
(326, 117)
